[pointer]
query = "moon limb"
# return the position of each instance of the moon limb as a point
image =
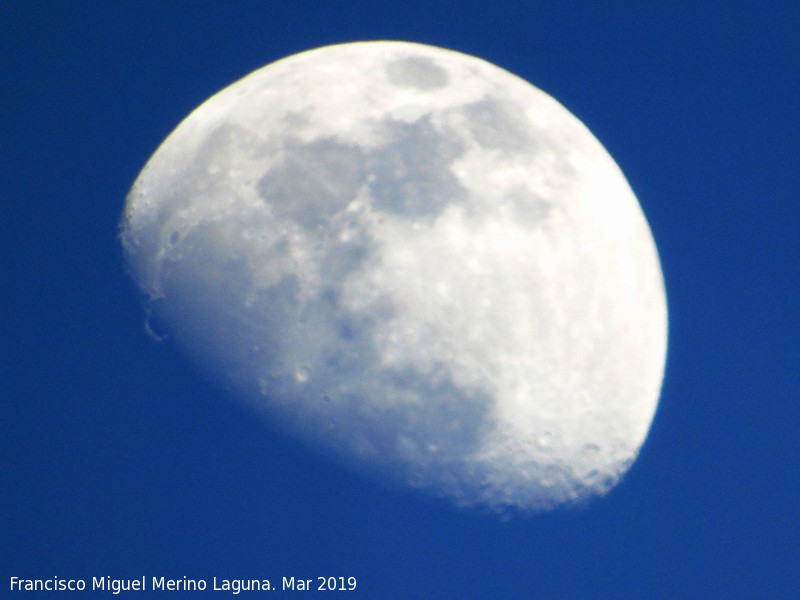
(417, 261)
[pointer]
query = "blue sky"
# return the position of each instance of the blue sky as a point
(119, 458)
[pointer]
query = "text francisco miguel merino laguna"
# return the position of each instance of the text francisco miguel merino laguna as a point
(235, 586)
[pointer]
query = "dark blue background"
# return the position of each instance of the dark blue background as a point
(119, 459)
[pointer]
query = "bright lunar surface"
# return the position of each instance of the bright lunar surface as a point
(416, 262)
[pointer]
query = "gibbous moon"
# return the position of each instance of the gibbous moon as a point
(416, 262)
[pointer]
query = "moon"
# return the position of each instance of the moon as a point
(415, 262)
